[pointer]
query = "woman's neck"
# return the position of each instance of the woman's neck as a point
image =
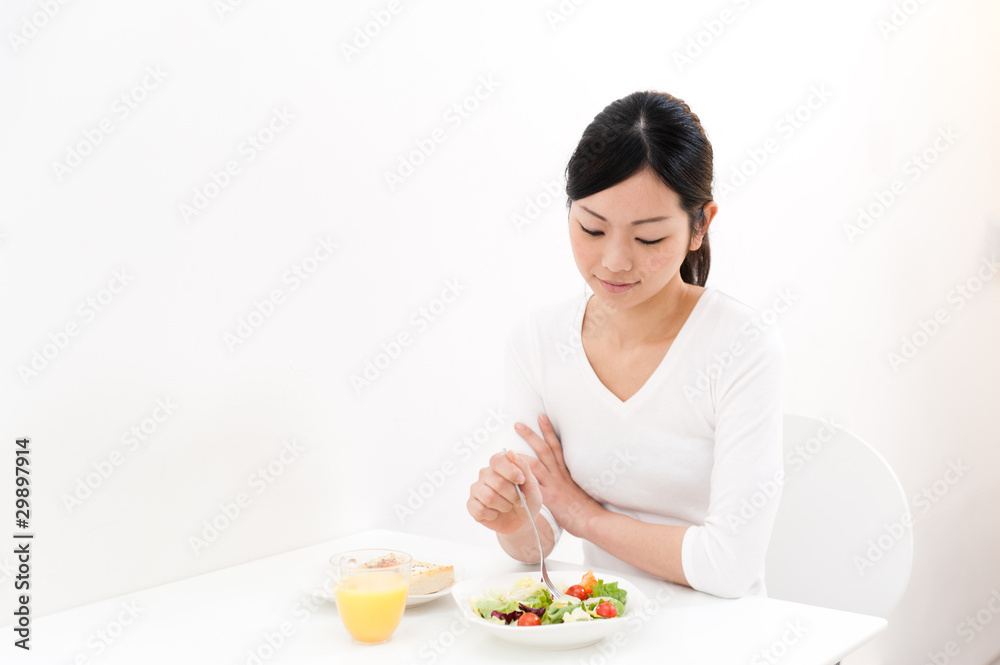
(653, 321)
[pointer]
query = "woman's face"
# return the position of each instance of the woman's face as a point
(630, 240)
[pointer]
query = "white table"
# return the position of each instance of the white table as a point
(224, 616)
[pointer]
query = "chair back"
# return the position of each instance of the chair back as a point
(842, 537)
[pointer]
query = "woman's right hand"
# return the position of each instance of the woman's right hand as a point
(493, 500)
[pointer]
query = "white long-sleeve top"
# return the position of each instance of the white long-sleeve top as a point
(699, 445)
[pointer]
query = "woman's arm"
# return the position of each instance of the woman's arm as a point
(521, 544)
(725, 555)
(654, 548)
(493, 501)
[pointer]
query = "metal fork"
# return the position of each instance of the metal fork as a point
(556, 593)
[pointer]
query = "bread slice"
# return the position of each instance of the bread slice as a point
(429, 578)
(425, 577)
(388, 561)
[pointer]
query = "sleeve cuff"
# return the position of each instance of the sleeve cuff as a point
(556, 529)
(687, 558)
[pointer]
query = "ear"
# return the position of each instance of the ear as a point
(701, 224)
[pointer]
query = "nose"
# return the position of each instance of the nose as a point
(616, 258)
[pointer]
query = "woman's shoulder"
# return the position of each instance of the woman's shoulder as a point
(554, 319)
(737, 322)
(557, 312)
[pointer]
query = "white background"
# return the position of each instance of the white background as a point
(354, 118)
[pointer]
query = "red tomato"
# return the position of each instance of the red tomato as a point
(606, 610)
(530, 619)
(577, 591)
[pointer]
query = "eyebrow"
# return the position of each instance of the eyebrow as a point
(635, 223)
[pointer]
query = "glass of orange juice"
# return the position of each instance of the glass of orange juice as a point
(371, 587)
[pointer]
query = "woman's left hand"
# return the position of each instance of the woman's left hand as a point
(570, 505)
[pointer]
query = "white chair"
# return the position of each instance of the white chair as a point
(841, 538)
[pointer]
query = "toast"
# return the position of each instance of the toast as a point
(430, 578)
(387, 561)
(425, 577)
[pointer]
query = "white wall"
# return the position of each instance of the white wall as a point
(322, 176)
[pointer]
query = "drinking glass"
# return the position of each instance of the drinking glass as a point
(371, 588)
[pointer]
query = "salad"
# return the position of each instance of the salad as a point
(530, 603)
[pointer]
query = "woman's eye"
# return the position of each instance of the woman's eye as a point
(600, 233)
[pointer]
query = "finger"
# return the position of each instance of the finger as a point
(491, 498)
(532, 485)
(501, 487)
(538, 445)
(541, 447)
(549, 433)
(528, 466)
(509, 471)
(538, 470)
(479, 512)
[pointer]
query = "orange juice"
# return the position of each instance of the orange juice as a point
(371, 604)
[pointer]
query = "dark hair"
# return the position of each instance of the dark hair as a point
(654, 130)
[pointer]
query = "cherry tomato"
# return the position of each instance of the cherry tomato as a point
(606, 610)
(530, 619)
(577, 591)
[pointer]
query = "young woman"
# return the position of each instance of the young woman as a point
(657, 399)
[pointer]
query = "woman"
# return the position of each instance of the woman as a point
(657, 399)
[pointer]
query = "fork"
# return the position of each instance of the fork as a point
(556, 593)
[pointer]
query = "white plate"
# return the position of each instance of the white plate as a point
(555, 636)
(413, 600)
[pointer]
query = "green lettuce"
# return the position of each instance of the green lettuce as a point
(541, 599)
(591, 604)
(486, 606)
(555, 614)
(611, 591)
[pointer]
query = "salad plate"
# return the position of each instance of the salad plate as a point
(555, 636)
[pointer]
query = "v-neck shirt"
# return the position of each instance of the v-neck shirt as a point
(697, 440)
(654, 379)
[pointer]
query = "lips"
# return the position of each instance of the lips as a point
(616, 287)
